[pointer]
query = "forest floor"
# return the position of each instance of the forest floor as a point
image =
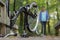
(32, 38)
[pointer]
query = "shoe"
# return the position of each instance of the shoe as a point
(11, 34)
(24, 35)
(42, 35)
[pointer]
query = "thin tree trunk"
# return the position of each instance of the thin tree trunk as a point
(21, 22)
(49, 18)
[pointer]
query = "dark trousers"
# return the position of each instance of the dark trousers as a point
(43, 30)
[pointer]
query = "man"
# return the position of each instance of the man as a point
(27, 12)
(43, 19)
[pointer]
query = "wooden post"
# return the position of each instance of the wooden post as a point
(3, 30)
(4, 20)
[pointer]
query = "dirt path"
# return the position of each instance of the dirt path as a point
(32, 38)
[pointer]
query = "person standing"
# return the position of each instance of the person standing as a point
(43, 17)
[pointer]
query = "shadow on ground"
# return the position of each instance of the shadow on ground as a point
(32, 38)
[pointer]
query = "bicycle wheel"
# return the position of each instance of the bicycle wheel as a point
(34, 25)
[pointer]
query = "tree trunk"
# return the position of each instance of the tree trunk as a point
(49, 18)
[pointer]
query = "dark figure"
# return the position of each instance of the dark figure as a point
(57, 27)
(26, 11)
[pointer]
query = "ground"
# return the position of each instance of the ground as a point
(32, 38)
